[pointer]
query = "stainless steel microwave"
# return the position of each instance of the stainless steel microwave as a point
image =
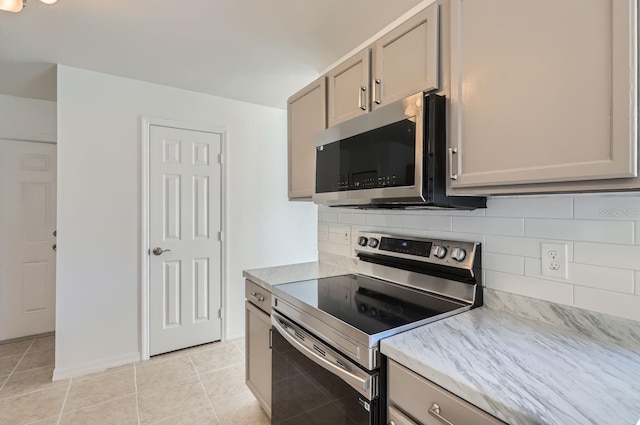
(393, 157)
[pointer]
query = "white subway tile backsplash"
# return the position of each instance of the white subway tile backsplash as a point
(547, 290)
(328, 217)
(430, 222)
(614, 303)
(333, 248)
(601, 233)
(620, 232)
(383, 220)
(603, 207)
(606, 278)
(551, 207)
(608, 255)
(323, 232)
(503, 263)
(526, 247)
(351, 218)
(489, 225)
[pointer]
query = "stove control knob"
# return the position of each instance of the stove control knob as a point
(362, 241)
(439, 251)
(458, 254)
(373, 243)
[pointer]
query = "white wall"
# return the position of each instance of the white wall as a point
(98, 295)
(27, 119)
(602, 233)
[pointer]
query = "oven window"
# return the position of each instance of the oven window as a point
(305, 393)
(383, 157)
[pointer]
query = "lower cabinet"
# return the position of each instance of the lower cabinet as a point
(414, 400)
(258, 354)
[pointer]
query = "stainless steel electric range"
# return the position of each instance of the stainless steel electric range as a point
(327, 367)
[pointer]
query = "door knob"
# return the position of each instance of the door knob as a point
(158, 251)
(54, 247)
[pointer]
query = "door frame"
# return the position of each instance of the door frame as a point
(146, 123)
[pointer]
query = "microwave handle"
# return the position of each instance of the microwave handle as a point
(452, 175)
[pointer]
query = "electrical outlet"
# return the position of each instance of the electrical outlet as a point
(554, 260)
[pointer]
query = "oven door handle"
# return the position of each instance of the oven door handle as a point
(325, 357)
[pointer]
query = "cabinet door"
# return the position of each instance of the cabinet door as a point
(406, 60)
(349, 88)
(258, 354)
(306, 115)
(542, 91)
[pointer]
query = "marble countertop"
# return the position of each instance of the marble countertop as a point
(270, 276)
(526, 372)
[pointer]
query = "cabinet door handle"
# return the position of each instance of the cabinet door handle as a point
(363, 98)
(258, 297)
(270, 338)
(378, 94)
(452, 175)
(434, 411)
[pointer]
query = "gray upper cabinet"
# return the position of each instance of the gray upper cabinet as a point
(349, 88)
(543, 95)
(306, 115)
(406, 60)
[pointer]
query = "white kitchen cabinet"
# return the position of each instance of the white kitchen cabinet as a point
(258, 344)
(405, 61)
(542, 92)
(306, 115)
(414, 400)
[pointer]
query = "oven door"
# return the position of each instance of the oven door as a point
(314, 384)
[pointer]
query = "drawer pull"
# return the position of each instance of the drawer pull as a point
(255, 295)
(434, 411)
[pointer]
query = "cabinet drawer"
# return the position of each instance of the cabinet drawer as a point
(398, 418)
(258, 296)
(416, 396)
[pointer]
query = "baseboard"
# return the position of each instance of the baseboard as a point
(100, 365)
(234, 335)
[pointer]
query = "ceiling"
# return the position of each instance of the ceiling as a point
(259, 51)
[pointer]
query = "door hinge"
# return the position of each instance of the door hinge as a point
(220, 158)
(220, 236)
(219, 313)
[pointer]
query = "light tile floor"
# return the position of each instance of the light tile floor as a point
(203, 385)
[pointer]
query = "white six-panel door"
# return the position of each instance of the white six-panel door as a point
(185, 223)
(27, 223)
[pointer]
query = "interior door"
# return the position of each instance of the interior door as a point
(184, 236)
(27, 223)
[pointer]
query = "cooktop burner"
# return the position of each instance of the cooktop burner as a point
(370, 305)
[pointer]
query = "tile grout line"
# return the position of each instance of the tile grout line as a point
(64, 402)
(135, 382)
(17, 364)
(215, 414)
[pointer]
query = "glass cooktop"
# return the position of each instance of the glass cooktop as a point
(370, 305)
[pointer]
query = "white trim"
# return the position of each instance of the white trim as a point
(33, 139)
(147, 122)
(94, 366)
